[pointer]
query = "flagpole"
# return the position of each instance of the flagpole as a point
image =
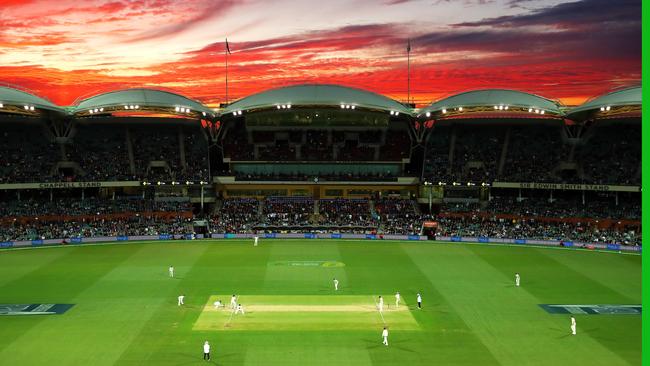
(408, 72)
(226, 71)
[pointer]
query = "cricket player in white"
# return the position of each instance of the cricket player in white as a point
(233, 301)
(381, 304)
(573, 325)
(384, 334)
(256, 239)
(181, 298)
(239, 309)
(419, 301)
(397, 298)
(171, 271)
(206, 351)
(218, 304)
(517, 279)
(336, 284)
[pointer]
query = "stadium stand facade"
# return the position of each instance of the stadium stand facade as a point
(321, 158)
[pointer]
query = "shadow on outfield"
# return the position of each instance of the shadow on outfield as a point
(192, 359)
(377, 344)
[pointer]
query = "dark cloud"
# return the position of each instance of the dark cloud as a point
(591, 13)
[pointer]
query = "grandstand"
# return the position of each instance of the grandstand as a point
(320, 159)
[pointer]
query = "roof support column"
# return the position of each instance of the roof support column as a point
(452, 147)
(504, 152)
(129, 149)
(181, 147)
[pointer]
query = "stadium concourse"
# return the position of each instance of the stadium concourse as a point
(497, 164)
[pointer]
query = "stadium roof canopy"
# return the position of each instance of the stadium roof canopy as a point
(493, 100)
(317, 95)
(611, 104)
(18, 101)
(141, 99)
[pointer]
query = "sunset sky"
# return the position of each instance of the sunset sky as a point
(563, 50)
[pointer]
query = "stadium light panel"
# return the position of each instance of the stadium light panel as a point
(353, 107)
(530, 110)
(343, 106)
(506, 108)
(444, 111)
(2, 105)
(460, 109)
(31, 107)
(608, 108)
(602, 109)
(203, 114)
(542, 112)
(428, 114)
(101, 109)
(137, 106)
(288, 106)
(496, 107)
(26, 107)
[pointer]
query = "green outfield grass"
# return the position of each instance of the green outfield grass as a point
(125, 310)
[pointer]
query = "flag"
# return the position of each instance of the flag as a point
(228, 47)
(408, 45)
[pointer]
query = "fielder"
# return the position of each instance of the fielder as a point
(336, 284)
(171, 271)
(218, 304)
(381, 304)
(206, 351)
(239, 309)
(517, 279)
(419, 301)
(233, 302)
(256, 238)
(573, 326)
(181, 299)
(397, 298)
(384, 334)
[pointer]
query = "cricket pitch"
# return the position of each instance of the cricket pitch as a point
(304, 313)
